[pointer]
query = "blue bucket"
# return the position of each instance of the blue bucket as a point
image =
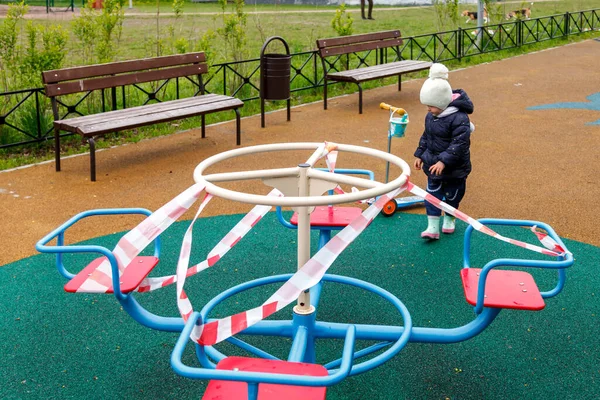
(398, 126)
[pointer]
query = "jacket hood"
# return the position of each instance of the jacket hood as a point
(463, 103)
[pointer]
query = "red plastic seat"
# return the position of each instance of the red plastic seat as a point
(231, 390)
(335, 217)
(503, 289)
(134, 274)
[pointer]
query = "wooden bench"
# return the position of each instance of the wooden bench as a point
(361, 43)
(112, 75)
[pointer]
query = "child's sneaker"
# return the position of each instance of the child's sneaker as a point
(433, 229)
(449, 224)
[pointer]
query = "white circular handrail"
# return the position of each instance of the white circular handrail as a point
(291, 201)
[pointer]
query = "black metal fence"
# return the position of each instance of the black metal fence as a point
(25, 116)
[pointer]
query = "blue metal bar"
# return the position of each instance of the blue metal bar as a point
(148, 319)
(256, 377)
(561, 263)
(127, 301)
(417, 335)
(315, 294)
(321, 329)
(251, 349)
(304, 339)
(362, 353)
(324, 236)
(60, 248)
(269, 328)
(252, 391)
(60, 241)
(202, 354)
(298, 349)
(277, 328)
(266, 328)
(562, 277)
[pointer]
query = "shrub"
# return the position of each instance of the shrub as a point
(342, 21)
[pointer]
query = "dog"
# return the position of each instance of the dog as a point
(472, 15)
(519, 14)
(523, 13)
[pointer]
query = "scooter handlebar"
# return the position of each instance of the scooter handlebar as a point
(397, 110)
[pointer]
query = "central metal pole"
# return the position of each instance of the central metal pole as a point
(303, 307)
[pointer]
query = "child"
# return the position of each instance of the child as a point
(443, 151)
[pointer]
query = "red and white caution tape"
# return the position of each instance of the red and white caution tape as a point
(231, 239)
(136, 240)
(553, 248)
(307, 276)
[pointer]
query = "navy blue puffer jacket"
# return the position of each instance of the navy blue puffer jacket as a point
(448, 140)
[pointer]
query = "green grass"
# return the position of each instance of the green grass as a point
(300, 30)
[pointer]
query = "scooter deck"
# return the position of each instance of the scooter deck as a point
(408, 201)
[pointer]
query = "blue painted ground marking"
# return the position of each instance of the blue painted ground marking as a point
(593, 104)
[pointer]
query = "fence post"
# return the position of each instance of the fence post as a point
(567, 23)
(459, 43)
(38, 112)
(314, 56)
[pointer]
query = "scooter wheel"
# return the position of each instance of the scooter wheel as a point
(389, 208)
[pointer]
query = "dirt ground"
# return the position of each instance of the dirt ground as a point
(537, 165)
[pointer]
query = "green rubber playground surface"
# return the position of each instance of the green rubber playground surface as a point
(55, 345)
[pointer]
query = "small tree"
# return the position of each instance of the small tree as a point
(9, 48)
(446, 14)
(233, 34)
(342, 21)
(50, 55)
(100, 33)
(342, 24)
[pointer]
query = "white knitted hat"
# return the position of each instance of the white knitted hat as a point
(436, 90)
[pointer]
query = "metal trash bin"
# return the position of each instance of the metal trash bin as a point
(275, 72)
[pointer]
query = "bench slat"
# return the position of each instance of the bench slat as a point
(86, 85)
(379, 71)
(344, 40)
(139, 110)
(355, 48)
(158, 117)
(408, 65)
(92, 71)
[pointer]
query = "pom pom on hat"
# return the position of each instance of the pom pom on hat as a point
(438, 71)
(436, 90)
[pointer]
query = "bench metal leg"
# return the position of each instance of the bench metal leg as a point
(359, 98)
(262, 112)
(399, 82)
(238, 129)
(203, 119)
(92, 144)
(57, 148)
(325, 93)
